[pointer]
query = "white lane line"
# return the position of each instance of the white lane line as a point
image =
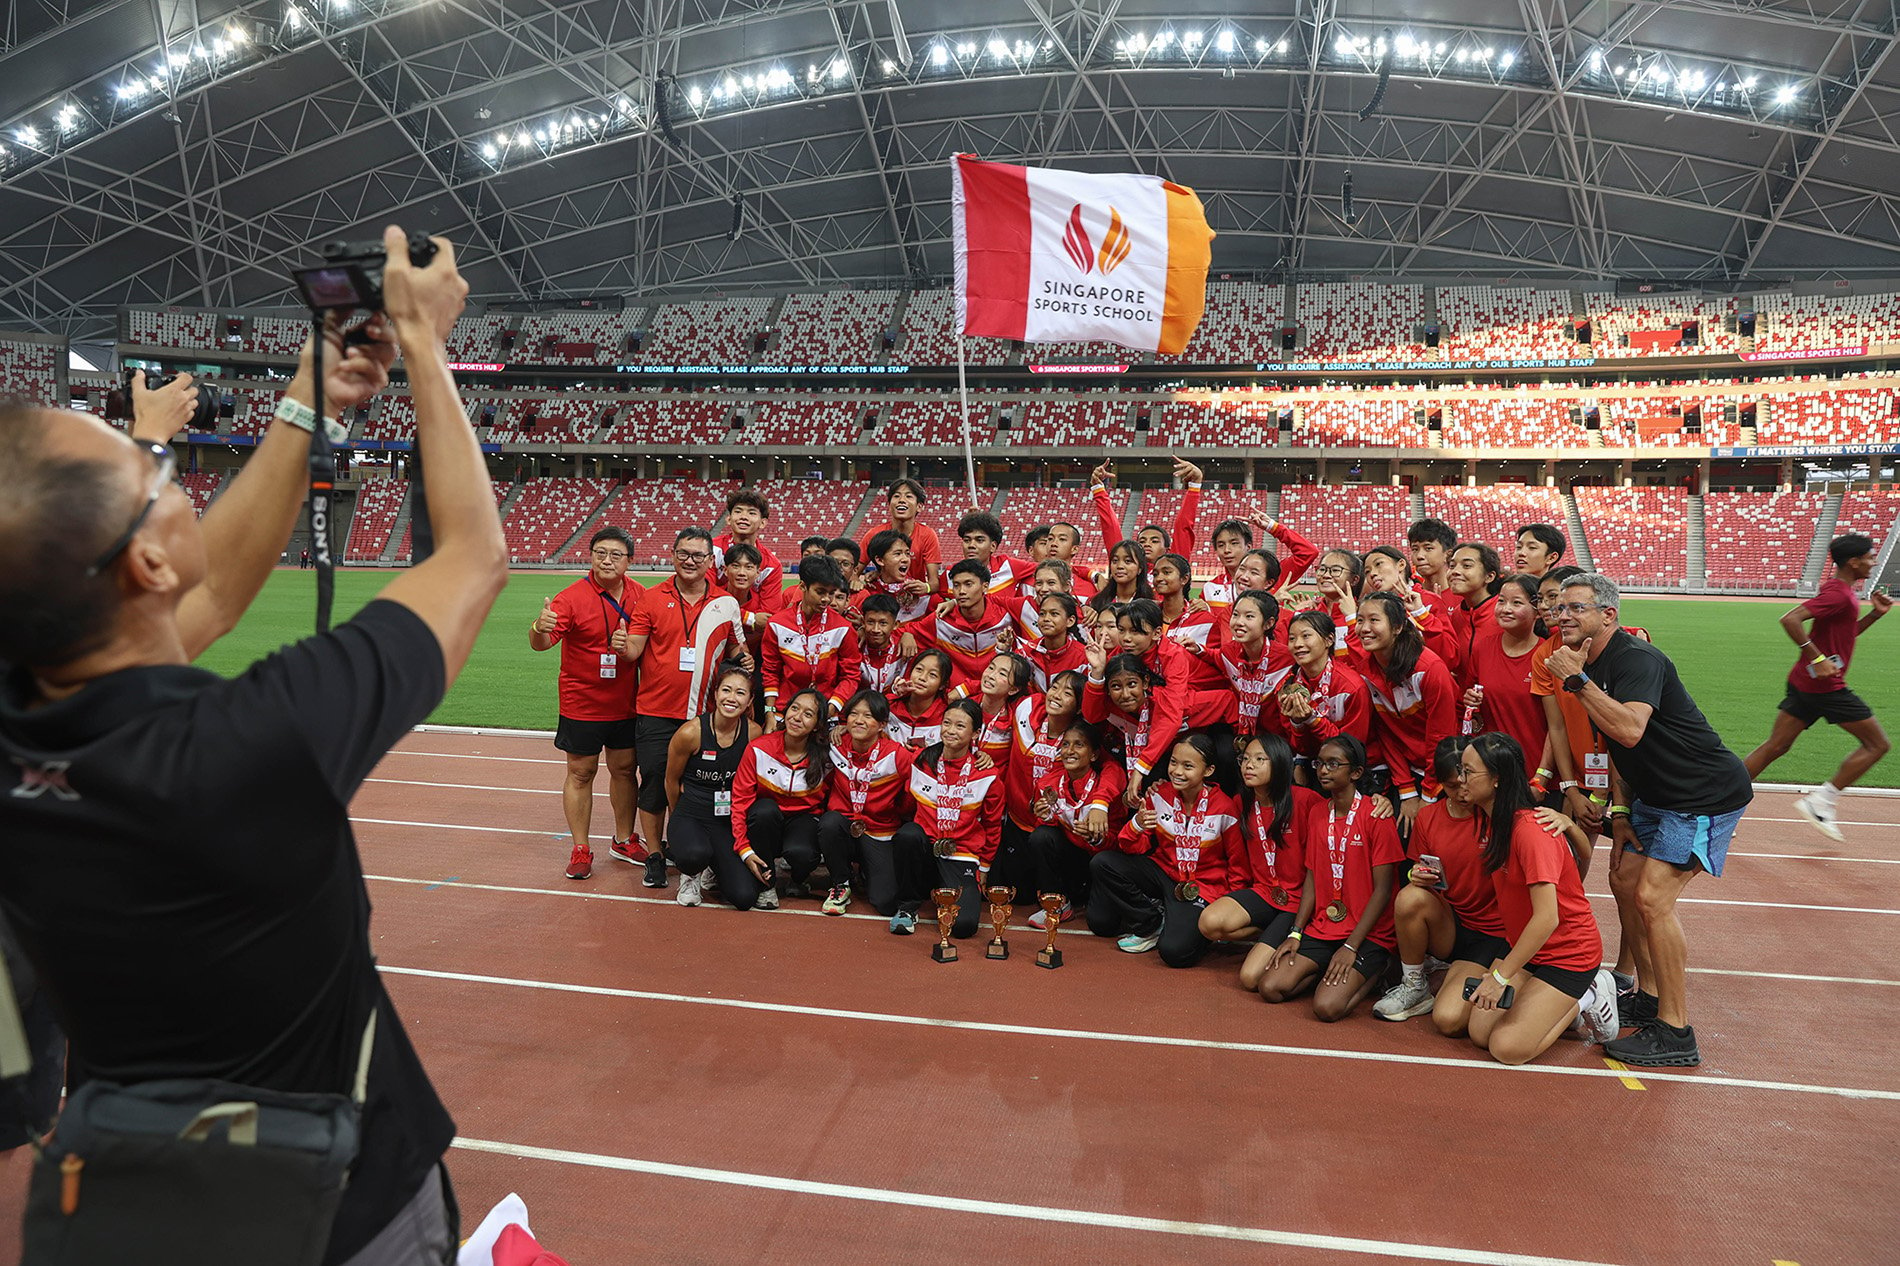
(878, 918)
(711, 904)
(1776, 975)
(1599, 896)
(1148, 1039)
(518, 760)
(1004, 1209)
(1763, 905)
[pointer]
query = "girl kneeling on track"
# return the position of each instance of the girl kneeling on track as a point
(776, 799)
(1079, 807)
(865, 801)
(701, 763)
(1346, 940)
(1272, 865)
(1449, 910)
(917, 713)
(958, 824)
(1554, 968)
(1035, 749)
(1182, 844)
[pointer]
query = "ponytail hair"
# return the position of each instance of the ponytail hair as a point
(1505, 761)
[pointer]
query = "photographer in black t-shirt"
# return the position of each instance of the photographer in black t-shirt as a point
(179, 866)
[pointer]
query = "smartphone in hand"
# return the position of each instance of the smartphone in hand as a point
(1437, 867)
(1504, 1003)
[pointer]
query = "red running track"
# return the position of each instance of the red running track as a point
(665, 1084)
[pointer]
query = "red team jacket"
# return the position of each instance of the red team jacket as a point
(822, 654)
(959, 802)
(765, 771)
(1198, 842)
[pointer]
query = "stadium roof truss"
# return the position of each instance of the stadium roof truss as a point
(191, 151)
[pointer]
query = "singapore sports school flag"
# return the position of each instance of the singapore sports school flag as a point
(1044, 254)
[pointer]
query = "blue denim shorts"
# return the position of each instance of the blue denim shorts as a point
(1684, 838)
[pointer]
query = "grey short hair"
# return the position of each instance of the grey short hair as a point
(1603, 590)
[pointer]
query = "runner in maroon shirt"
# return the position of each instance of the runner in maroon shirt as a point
(1817, 684)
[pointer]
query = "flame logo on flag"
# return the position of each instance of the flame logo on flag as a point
(1116, 243)
(1075, 240)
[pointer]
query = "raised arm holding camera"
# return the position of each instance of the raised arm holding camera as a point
(180, 867)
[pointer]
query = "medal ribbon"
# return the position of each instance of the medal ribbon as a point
(1336, 852)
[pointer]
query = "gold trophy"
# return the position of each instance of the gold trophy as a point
(946, 898)
(1049, 956)
(1000, 901)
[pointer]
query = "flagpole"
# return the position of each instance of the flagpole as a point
(963, 398)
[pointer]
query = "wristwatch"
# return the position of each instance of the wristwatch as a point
(1576, 682)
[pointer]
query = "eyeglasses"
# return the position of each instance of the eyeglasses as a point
(1330, 762)
(1574, 608)
(1330, 571)
(691, 555)
(610, 555)
(165, 467)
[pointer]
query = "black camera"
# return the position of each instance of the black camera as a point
(204, 414)
(351, 275)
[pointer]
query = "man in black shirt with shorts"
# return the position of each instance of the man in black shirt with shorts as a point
(1680, 795)
(179, 865)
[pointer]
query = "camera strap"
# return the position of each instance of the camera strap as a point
(322, 485)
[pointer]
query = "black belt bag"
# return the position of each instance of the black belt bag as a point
(193, 1171)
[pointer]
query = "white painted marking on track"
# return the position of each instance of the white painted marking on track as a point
(1599, 896)
(878, 918)
(711, 904)
(1147, 1039)
(1004, 1209)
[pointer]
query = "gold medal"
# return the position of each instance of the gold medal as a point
(857, 827)
(944, 848)
(1188, 890)
(1336, 912)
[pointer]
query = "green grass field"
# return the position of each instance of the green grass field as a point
(1731, 654)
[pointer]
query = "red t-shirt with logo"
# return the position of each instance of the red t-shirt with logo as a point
(1539, 857)
(586, 620)
(1510, 704)
(1836, 613)
(1341, 864)
(1459, 850)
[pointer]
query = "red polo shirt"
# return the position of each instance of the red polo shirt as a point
(586, 620)
(667, 623)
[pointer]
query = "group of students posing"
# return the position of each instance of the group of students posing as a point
(1340, 780)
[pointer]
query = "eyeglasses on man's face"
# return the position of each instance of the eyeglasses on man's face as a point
(609, 555)
(164, 470)
(691, 555)
(1574, 608)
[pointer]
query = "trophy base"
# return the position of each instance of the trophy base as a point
(998, 948)
(944, 953)
(1050, 958)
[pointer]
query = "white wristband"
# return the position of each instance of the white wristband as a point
(304, 418)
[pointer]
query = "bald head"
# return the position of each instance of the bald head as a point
(66, 480)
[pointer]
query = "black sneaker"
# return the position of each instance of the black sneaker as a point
(656, 871)
(1656, 1045)
(1634, 1007)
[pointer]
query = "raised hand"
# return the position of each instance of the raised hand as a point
(548, 621)
(620, 639)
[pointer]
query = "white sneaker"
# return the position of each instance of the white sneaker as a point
(1433, 963)
(768, 900)
(1405, 1000)
(1132, 944)
(1820, 819)
(708, 882)
(1604, 1026)
(689, 891)
(1039, 920)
